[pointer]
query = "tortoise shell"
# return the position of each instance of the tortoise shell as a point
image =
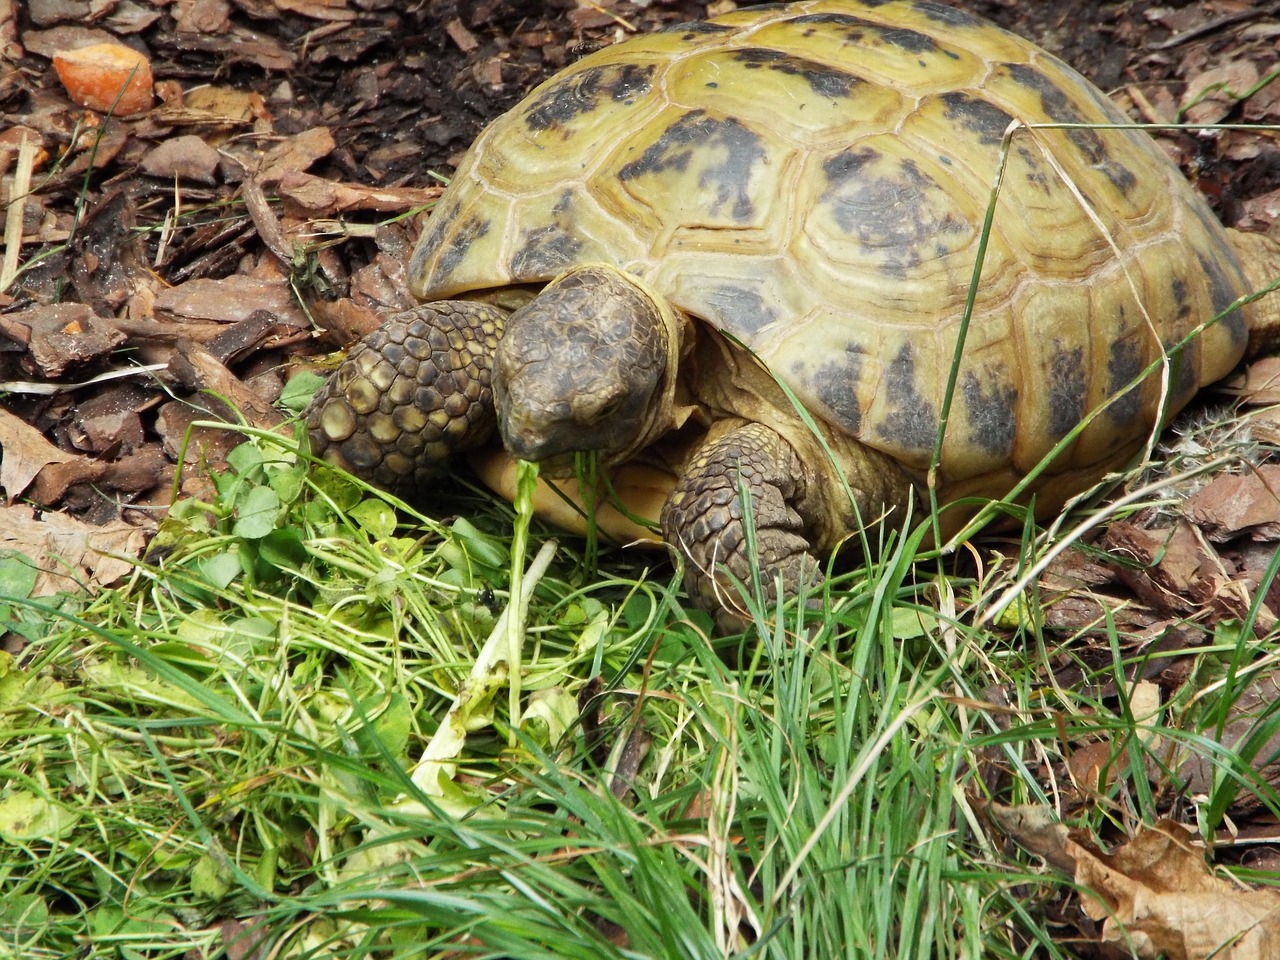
(813, 179)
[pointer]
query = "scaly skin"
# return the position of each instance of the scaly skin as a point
(704, 520)
(581, 367)
(411, 395)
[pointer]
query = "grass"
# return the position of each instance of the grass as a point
(226, 757)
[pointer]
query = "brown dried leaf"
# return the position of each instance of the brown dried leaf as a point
(186, 157)
(1260, 384)
(312, 196)
(1154, 892)
(466, 40)
(318, 9)
(202, 16)
(1214, 92)
(60, 335)
(1175, 572)
(219, 107)
(45, 43)
(1264, 105)
(24, 452)
(70, 554)
(1259, 213)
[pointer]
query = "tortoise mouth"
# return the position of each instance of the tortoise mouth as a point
(551, 456)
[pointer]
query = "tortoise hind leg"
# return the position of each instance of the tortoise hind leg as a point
(703, 519)
(410, 395)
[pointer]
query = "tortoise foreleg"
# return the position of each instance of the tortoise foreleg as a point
(410, 395)
(703, 520)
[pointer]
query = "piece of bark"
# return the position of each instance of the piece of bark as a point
(59, 335)
(230, 300)
(196, 369)
(1247, 503)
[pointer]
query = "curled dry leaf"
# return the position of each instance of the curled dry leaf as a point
(1153, 894)
(107, 77)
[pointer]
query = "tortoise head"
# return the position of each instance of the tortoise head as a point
(580, 367)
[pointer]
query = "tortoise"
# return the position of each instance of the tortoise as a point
(668, 247)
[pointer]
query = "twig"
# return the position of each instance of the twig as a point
(15, 210)
(1210, 26)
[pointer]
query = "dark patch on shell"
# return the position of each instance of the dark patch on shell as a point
(951, 16)
(740, 309)
(992, 420)
(823, 80)
(985, 119)
(1184, 373)
(695, 28)
(454, 251)
(1058, 107)
(548, 250)
(1223, 292)
(696, 130)
(1123, 365)
(1034, 173)
(1178, 290)
(886, 213)
(1067, 389)
(857, 29)
(587, 90)
(911, 422)
(834, 383)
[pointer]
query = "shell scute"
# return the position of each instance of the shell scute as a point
(823, 80)
(563, 105)
(718, 158)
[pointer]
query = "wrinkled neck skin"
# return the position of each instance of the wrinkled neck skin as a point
(590, 365)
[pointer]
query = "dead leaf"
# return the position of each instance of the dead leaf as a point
(318, 9)
(219, 108)
(45, 43)
(1260, 384)
(24, 452)
(1177, 572)
(1211, 95)
(459, 34)
(202, 16)
(316, 195)
(1154, 893)
(71, 555)
(186, 157)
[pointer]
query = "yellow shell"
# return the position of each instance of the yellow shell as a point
(814, 177)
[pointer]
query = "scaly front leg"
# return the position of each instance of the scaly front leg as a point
(410, 395)
(703, 520)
